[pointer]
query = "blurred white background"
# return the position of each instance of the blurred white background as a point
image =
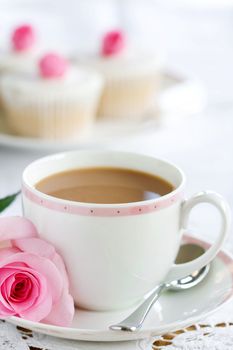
(193, 36)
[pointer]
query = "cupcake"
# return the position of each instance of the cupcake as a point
(20, 56)
(57, 102)
(131, 77)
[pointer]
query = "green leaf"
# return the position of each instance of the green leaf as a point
(5, 202)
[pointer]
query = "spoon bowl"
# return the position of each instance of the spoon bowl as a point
(190, 281)
(187, 253)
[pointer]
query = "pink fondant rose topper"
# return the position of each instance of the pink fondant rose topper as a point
(53, 65)
(33, 278)
(23, 38)
(113, 43)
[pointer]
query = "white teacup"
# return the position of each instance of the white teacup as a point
(116, 253)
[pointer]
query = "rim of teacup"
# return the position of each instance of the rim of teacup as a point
(39, 197)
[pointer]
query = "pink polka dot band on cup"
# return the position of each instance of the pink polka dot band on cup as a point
(62, 206)
(52, 66)
(23, 38)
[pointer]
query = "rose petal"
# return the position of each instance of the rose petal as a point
(5, 244)
(57, 260)
(6, 252)
(40, 311)
(42, 306)
(43, 266)
(17, 265)
(34, 246)
(16, 227)
(5, 312)
(5, 273)
(31, 299)
(42, 248)
(62, 312)
(6, 287)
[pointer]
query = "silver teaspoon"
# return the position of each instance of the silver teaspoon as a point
(186, 253)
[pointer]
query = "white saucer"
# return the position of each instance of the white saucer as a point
(174, 309)
(180, 96)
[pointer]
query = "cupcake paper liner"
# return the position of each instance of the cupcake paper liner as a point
(50, 114)
(128, 97)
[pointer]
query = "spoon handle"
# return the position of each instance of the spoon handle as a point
(134, 321)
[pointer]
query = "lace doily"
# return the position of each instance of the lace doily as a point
(18, 338)
(197, 337)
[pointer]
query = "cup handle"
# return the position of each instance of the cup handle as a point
(182, 270)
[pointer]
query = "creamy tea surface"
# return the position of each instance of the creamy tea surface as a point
(104, 185)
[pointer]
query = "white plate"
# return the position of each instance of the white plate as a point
(180, 95)
(174, 309)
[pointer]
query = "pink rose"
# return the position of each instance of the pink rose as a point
(113, 43)
(33, 278)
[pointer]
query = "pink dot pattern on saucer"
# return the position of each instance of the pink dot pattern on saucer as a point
(23, 38)
(52, 66)
(86, 210)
